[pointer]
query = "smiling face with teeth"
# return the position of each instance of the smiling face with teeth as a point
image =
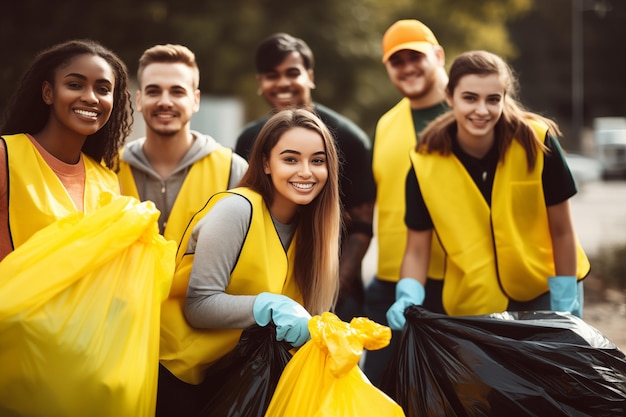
(289, 83)
(168, 97)
(81, 96)
(477, 102)
(298, 169)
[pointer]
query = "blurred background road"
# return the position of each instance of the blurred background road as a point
(599, 213)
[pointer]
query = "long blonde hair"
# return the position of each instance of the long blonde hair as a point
(513, 124)
(316, 268)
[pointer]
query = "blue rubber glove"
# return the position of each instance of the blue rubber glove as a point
(564, 295)
(290, 318)
(409, 292)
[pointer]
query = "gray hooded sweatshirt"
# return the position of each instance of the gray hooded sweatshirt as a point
(163, 191)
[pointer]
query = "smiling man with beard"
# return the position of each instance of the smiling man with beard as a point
(173, 166)
(179, 170)
(414, 61)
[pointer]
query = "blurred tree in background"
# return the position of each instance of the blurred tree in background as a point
(345, 37)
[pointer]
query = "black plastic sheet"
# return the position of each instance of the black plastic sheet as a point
(509, 364)
(242, 383)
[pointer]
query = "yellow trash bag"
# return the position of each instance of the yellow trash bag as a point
(323, 379)
(79, 314)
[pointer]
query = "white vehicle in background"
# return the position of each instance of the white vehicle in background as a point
(583, 169)
(610, 143)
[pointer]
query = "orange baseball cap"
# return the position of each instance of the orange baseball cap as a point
(407, 34)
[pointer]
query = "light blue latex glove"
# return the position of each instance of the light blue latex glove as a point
(409, 292)
(564, 295)
(290, 318)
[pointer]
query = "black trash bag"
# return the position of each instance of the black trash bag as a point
(536, 363)
(241, 384)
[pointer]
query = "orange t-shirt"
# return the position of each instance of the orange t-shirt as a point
(72, 177)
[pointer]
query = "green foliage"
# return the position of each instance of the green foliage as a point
(345, 37)
(609, 264)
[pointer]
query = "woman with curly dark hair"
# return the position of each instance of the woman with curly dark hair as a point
(69, 116)
(84, 268)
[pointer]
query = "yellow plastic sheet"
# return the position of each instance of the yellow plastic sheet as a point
(79, 314)
(323, 379)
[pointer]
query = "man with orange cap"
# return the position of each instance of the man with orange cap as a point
(415, 64)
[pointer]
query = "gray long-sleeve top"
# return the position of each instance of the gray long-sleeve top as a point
(217, 240)
(164, 191)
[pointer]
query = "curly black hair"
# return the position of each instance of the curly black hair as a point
(28, 113)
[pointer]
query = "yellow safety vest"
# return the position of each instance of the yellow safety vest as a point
(493, 254)
(206, 177)
(37, 196)
(395, 137)
(263, 266)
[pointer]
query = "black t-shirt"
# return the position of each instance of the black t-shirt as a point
(356, 179)
(558, 183)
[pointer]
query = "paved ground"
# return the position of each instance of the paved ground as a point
(609, 317)
(599, 213)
